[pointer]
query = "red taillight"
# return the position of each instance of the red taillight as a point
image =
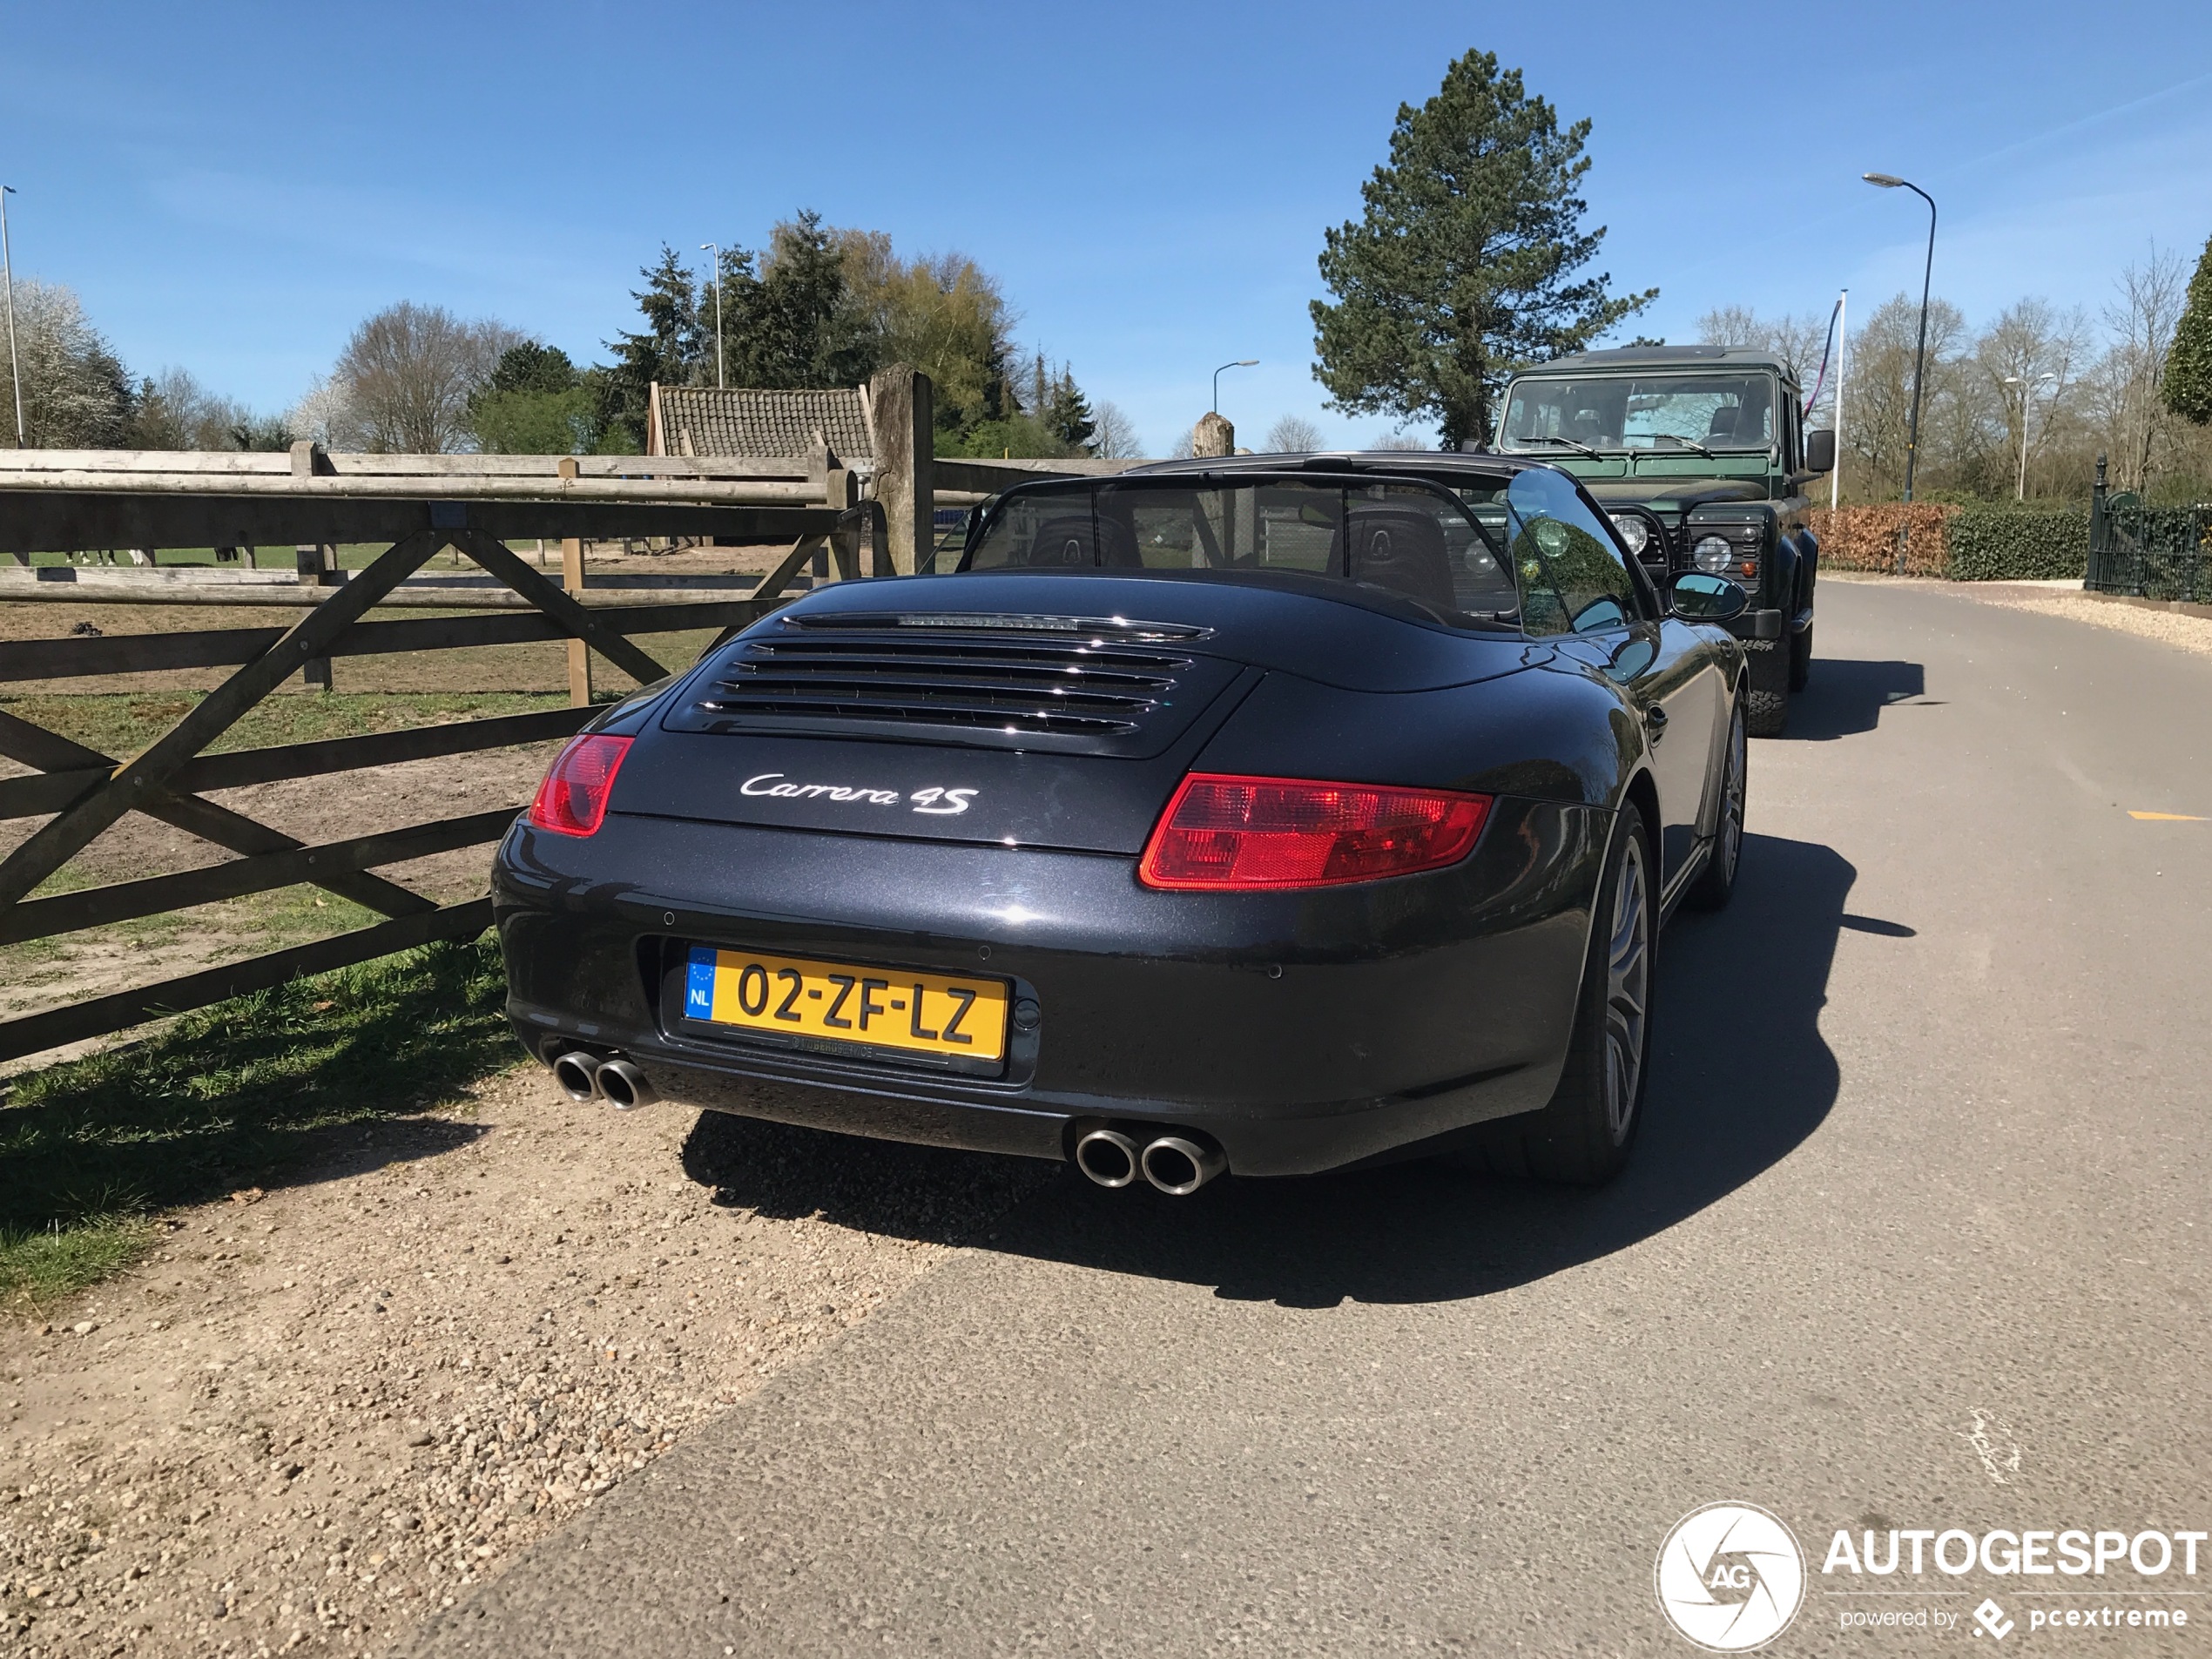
(1228, 833)
(573, 798)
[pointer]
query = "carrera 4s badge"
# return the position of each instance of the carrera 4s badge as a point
(936, 800)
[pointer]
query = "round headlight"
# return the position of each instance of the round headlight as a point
(1713, 555)
(1634, 532)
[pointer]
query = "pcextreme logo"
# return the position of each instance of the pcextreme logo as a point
(1730, 1577)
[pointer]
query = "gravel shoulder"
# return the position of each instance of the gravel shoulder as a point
(313, 1416)
(2144, 621)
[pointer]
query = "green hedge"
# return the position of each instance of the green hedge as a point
(2015, 544)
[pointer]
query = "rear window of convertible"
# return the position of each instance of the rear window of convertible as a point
(1442, 550)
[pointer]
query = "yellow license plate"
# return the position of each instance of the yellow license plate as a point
(883, 1008)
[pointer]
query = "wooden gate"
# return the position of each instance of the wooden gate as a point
(82, 791)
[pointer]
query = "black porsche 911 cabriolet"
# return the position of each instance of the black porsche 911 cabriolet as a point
(1268, 815)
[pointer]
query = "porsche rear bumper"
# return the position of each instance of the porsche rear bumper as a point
(1300, 1031)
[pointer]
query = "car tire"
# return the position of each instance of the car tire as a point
(1766, 689)
(1584, 1135)
(1715, 885)
(1801, 658)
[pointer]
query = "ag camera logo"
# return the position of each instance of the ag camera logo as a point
(1730, 1577)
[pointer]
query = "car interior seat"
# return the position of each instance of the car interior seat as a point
(1073, 541)
(1403, 550)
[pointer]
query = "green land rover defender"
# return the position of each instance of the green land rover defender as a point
(1699, 455)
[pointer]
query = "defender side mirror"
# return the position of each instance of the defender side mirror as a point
(1820, 451)
(1697, 598)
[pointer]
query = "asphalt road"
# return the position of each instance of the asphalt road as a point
(1915, 1238)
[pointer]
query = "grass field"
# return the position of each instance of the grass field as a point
(121, 723)
(93, 1149)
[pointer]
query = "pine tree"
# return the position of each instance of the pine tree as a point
(2188, 386)
(800, 325)
(1461, 267)
(1067, 412)
(670, 349)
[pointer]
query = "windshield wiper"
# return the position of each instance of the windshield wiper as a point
(1687, 444)
(1571, 444)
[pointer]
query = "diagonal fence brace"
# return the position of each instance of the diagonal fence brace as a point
(51, 752)
(502, 562)
(139, 780)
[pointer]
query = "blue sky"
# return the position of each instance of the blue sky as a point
(230, 188)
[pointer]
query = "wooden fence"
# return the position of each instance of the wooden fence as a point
(225, 500)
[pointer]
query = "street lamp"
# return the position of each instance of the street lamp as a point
(1890, 181)
(706, 247)
(2027, 413)
(8, 272)
(1242, 363)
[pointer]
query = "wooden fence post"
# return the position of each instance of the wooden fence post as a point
(903, 432)
(313, 560)
(572, 580)
(841, 490)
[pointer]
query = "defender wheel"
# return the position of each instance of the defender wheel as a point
(1716, 884)
(1766, 694)
(1801, 658)
(1584, 1135)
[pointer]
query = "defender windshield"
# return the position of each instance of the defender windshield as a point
(1675, 412)
(1400, 535)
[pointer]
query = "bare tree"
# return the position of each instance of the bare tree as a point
(75, 393)
(1881, 390)
(174, 411)
(2127, 378)
(1293, 435)
(1799, 341)
(2030, 360)
(1113, 434)
(407, 374)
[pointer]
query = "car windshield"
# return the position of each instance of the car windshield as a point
(1400, 535)
(1677, 413)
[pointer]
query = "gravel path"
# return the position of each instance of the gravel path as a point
(2168, 627)
(314, 1416)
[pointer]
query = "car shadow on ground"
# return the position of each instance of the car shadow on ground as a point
(1847, 696)
(1741, 1077)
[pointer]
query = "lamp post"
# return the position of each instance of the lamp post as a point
(1242, 363)
(8, 273)
(2027, 413)
(1890, 181)
(709, 248)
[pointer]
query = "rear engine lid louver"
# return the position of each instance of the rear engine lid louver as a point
(1062, 685)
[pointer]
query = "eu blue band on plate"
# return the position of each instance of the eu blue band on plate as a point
(699, 984)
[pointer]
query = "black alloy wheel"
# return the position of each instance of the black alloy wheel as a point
(1715, 886)
(1584, 1135)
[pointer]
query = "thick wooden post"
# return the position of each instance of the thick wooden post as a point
(313, 564)
(572, 580)
(841, 490)
(903, 429)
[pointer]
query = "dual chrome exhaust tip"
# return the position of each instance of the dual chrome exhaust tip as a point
(1177, 1165)
(584, 1076)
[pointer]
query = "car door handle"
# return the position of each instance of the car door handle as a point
(1656, 718)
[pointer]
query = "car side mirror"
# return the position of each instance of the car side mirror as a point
(1820, 451)
(1697, 598)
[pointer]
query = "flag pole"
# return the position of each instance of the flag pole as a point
(1843, 362)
